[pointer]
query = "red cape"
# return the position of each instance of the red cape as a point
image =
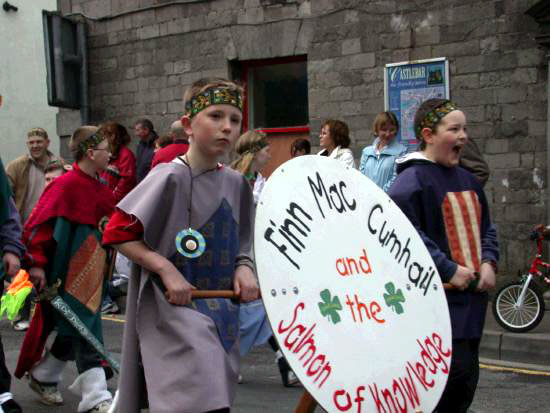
(75, 196)
(35, 338)
(79, 198)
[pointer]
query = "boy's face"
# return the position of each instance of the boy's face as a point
(100, 155)
(262, 157)
(299, 152)
(50, 176)
(446, 142)
(214, 130)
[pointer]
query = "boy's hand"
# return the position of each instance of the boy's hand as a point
(462, 277)
(11, 263)
(245, 284)
(178, 290)
(487, 277)
(38, 277)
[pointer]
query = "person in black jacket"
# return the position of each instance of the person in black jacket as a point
(146, 147)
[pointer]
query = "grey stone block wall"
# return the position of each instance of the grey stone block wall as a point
(144, 53)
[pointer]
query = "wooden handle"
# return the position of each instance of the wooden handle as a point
(307, 403)
(214, 294)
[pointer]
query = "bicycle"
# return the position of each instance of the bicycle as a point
(519, 306)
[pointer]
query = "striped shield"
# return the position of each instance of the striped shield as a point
(462, 216)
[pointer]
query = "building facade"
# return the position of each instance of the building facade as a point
(23, 78)
(144, 53)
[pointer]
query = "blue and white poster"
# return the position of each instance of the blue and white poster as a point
(407, 85)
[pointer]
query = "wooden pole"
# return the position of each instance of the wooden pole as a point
(214, 294)
(307, 403)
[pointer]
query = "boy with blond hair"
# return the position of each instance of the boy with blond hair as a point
(187, 225)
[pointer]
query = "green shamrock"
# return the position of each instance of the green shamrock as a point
(394, 298)
(330, 307)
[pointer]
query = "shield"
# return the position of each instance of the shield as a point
(352, 294)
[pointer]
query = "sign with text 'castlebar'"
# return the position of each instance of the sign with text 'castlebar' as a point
(352, 294)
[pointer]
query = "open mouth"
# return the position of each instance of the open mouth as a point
(457, 149)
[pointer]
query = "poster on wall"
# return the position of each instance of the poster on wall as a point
(407, 85)
(352, 294)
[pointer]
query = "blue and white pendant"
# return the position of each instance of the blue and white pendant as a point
(190, 243)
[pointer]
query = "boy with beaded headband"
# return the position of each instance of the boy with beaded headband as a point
(63, 237)
(447, 206)
(187, 225)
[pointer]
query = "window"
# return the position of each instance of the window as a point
(276, 92)
(276, 102)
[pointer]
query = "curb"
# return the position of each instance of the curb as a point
(514, 366)
(528, 348)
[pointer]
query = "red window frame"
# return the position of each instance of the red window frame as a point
(246, 65)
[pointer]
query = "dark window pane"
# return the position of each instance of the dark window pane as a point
(278, 95)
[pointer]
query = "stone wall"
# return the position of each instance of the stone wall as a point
(144, 53)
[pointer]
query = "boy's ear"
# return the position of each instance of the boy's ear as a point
(186, 123)
(427, 135)
(89, 154)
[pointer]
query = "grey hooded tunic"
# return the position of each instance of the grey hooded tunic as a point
(190, 355)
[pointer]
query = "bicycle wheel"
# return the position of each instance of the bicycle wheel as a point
(518, 319)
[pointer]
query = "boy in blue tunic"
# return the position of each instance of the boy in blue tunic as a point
(187, 225)
(447, 206)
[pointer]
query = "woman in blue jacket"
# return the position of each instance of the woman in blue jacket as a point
(378, 159)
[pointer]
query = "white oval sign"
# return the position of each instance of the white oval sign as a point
(352, 294)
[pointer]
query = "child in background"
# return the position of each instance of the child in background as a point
(447, 206)
(378, 159)
(253, 150)
(300, 147)
(187, 225)
(63, 237)
(162, 142)
(53, 170)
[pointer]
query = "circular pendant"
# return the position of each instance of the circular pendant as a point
(190, 243)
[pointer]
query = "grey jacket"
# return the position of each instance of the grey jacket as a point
(472, 160)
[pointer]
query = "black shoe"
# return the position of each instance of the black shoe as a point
(287, 375)
(11, 406)
(109, 373)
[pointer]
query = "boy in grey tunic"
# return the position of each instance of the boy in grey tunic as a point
(187, 225)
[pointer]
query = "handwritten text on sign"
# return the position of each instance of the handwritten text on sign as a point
(352, 294)
(290, 237)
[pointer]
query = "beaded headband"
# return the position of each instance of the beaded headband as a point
(91, 142)
(213, 96)
(257, 146)
(433, 117)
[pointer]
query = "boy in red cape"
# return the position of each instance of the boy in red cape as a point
(63, 237)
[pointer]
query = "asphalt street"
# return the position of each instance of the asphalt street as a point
(509, 390)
